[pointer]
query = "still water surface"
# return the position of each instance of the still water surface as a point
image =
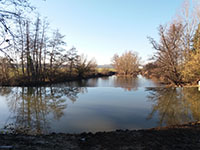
(102, 104)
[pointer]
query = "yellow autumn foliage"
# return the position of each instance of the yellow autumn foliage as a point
(191, 69)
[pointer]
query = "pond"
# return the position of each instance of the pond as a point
(99, 104)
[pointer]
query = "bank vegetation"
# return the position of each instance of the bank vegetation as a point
(177, 58)
(34, 54)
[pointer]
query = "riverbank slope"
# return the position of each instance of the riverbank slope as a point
(185, 136)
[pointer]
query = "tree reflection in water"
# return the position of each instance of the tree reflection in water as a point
(128, 83)
(175, 105)
(32, 107)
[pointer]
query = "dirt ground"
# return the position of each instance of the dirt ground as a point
(180, 137)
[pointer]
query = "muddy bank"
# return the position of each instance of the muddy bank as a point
(174, 137)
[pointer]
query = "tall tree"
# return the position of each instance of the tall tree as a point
(72, 57)
(191, 68)
(56, 51)
(169, 55)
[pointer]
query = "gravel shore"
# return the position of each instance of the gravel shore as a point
(178, 137)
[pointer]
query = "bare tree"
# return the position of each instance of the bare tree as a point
(189, 17)
(169, 53)
(55, 46)
(127, 64)
(83, 67)
(10, 12)
(72, 57)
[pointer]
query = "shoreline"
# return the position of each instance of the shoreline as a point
(184, 136)
(70, 79)
(165, 84)
(62, 80)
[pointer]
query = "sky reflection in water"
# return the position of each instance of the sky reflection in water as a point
(102, 104)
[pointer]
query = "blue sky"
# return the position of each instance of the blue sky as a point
(101, 28)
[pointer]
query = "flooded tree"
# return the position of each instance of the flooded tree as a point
(151, 70)
(177, 55)
(127, 64)
(169, 55)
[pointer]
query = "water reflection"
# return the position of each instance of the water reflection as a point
(32, 107)
(36, 110)
(128, 83)
(174, 105)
